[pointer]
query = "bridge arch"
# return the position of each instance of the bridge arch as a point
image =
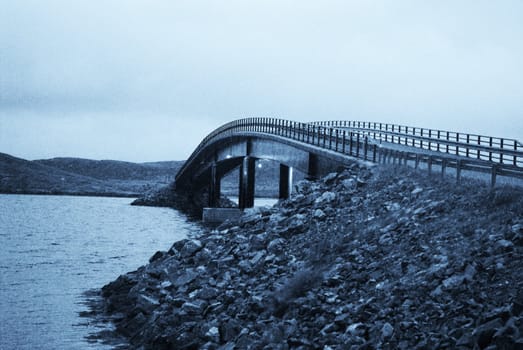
(242, 142)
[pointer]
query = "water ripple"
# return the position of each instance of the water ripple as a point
(54, 248)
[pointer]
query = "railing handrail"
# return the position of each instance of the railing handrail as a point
(497, 149)
(355, 139)
(422, 132)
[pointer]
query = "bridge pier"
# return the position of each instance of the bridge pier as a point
(285, 181)
(214, 187)
(313, 168)
(247, 182)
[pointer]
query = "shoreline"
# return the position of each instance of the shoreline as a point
(80, 194)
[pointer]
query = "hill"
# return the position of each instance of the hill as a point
(113, 169)
(77, 176)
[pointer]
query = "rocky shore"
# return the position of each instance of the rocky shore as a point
(189, 203)
(369, 258)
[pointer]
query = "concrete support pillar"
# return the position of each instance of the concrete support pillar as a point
(285, 181)
(247, 182)
(312, 173)
(214, 188)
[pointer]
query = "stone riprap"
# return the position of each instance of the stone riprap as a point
(381, 258)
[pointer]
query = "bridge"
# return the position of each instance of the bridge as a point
(318, 148)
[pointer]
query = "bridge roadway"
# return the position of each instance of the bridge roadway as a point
(319, 148)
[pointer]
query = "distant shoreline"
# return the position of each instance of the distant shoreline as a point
(78, 194)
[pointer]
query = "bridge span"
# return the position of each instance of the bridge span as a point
(321, 147)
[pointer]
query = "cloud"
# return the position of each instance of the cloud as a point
(437, 64)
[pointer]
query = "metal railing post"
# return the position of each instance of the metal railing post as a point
(457, 144)
(344, 139)
(468, 142)
(350, 143)
(337, 139)
(358, 145)
(479, 144)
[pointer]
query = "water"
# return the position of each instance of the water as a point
(54, 248)
(258, 201)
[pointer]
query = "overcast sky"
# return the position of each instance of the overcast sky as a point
(147, 80)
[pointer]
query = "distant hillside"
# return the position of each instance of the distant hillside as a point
(83, 176)
(113, 169)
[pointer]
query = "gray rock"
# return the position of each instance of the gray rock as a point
(356, 329)
(416, 191)
(166, 284)
(504, 244)
(213, 334)
(277, 218)
(349, 184)
(329, 178)
(466, 340)
(470, 272)
(257, 257)
(258, 242)
(385, 239)
(486, 331)
(186, 277)
(326, 197)
(319, 214)
(360, 182)
(208, 293)
(436, 292)
(195, 307)
(296, 224)
(190, 248)
(453, 281)
(147, 304)
(387, 330)
(157, 256)
(303, 186)
(245, 265)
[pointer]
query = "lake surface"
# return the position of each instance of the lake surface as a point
(54, 248)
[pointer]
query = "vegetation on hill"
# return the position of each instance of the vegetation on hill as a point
(115, 170)
(76, 176)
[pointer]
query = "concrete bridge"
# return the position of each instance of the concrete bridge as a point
(319, 148)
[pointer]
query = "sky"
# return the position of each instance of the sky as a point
(147, 80)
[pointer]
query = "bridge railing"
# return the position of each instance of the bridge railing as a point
(492, 149)
(367, 141)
